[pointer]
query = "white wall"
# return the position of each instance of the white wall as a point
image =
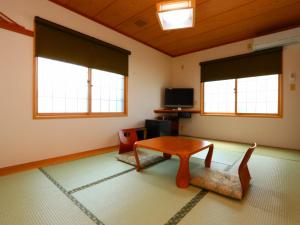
(23, 139)
(283, 132)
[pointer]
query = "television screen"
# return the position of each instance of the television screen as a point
(179, 97)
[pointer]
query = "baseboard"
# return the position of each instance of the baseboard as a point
(56, 160)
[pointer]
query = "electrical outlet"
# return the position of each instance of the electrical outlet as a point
(293, 82)
(292, 87)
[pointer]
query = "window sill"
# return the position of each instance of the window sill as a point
(256, 115)
(77, 115)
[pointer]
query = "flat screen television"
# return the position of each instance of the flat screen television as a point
(179, 97)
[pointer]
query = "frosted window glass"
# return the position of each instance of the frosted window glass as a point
(82, 104)
(104, 106)
(120, 106)
(258, 94)
(45, 104)
(107, 91)
(219, 96)
(62, 87)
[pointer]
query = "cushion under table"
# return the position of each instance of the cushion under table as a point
(146, 159)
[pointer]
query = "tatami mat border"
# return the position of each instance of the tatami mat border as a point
(73, 199)
(99, 181)
(187, 208)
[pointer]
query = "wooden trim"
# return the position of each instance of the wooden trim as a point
(176, 110)
(159, 4)
(264, 115)
(235, 96)
(15, 28)
(90, 85)
(236, 114)
(77, 115)
(125, 96)
(55, 160)
(280, 95)
(217, 114)
(201, 98)
(9, 24)
(258, 115)
(34, 82)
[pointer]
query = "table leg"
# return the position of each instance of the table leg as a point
(209, 156)
(138, 167)
(183, 174)
(167, 156)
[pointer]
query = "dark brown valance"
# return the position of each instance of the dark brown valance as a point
(257, 63)
(60, 43)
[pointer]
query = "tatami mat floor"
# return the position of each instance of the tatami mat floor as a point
(102, 190)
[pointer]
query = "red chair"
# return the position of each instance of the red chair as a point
(126, 154)
(127, 139)
(244, 174)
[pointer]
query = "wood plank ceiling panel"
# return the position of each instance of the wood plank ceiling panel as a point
(122, 10)
(217, 21)
(89, 8)
(235, 15)
(245, 29)
(131, 26)
(204, 11)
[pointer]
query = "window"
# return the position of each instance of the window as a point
(62, 87)
(107, 91)
(219, 96)
(65, 89)
(258, 96)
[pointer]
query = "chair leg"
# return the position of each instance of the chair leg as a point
(244, 178)
(209, 156)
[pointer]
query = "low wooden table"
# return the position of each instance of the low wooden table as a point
(182, 147)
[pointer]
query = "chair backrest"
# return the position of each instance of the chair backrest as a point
(244, 174)
(127, 139)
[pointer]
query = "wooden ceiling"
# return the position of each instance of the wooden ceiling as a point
(217, 22)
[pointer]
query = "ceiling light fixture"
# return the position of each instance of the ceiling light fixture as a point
(176, 14)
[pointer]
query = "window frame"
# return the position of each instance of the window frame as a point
(89, 114)
(236, 114)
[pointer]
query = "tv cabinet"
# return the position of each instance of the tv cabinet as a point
(168, 126)
(173, 119)
(181, 113)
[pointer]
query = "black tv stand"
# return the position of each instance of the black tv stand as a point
(168, 123)
(166, 126)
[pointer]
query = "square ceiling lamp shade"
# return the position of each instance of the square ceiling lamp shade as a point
(176, 14)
